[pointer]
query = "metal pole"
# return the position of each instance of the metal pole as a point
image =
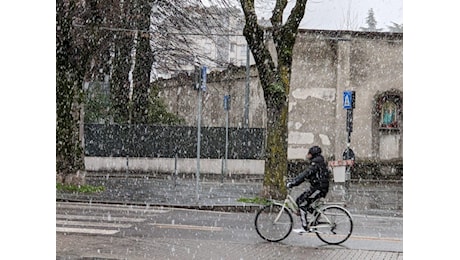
(175, 167)
(349, 129)
(226, 140)
(198, 145)
(348, 155)
(222, 170)
(82, 126)
(246, 96)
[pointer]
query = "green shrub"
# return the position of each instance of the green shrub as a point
(79, 188)
(255, 200)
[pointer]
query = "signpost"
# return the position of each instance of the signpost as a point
(349, 105)
(341, 168)
(201, 86)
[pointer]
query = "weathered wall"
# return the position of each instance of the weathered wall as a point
(312, 100)
(325, 64)
(377, 66)
(182, 99)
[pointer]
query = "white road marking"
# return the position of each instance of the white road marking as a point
(353, 237)
(391, 239)
(105, 218)
(144, 209)
(91, 224)
(191, 227)
(86, 231)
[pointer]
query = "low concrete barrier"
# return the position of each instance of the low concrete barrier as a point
(183, 165)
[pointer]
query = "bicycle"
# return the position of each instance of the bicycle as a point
(331, 222)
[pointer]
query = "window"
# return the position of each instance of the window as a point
(389, 108)
(389, 118)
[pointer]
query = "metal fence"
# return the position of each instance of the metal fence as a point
(124, 140)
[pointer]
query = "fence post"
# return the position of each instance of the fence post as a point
(175, 166)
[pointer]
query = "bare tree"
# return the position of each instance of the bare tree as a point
(178, 26)
(350, 19)
(275, 75)
(149, 37)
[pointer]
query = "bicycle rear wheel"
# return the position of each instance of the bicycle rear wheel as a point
(273, 223)
(334, 225)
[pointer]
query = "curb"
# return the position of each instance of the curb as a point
(245, 208)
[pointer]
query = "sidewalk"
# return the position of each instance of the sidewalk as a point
(214, 194)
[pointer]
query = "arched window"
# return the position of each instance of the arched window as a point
(387, 124)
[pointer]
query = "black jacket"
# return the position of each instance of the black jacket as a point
(317, 173)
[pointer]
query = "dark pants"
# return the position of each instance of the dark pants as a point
(305, 199)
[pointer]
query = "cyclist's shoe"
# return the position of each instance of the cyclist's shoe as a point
(300, 231)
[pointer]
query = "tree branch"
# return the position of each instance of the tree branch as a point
(255, 37)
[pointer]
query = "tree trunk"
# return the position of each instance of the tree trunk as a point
(119, 82)
(74, 49)
(143, 66)
(275, 81)
(70, 63)
(276, 153)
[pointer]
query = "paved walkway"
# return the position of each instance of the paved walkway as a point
(361, 198)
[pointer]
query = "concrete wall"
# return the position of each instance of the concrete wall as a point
(325, 64)
(182, 99)
(168, 165)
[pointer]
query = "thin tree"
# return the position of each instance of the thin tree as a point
(349, 20)
(275, 77)
(371, 22)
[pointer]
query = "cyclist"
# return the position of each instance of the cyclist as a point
(318, 174)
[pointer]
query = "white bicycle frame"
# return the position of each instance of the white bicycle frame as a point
(317, 205)
(288, 203)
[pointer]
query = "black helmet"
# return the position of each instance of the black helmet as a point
(314, 151)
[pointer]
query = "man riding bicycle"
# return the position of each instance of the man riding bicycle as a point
(318, 174)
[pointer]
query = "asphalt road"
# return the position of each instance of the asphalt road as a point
(136, 232)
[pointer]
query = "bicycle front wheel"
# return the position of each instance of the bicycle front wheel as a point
(273, 222)
(333, 225)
